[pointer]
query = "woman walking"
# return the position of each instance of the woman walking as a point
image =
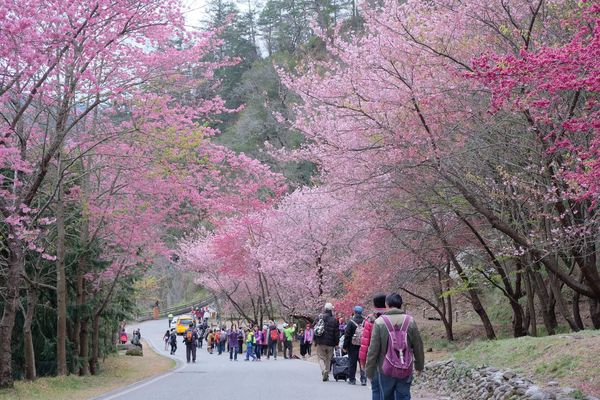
(232, 341)
(250, 342)
(308, 339)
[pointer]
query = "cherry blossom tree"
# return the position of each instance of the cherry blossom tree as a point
(407, 102)
(106, 94)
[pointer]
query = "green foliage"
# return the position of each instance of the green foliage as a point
(577, 394)
(559, 366)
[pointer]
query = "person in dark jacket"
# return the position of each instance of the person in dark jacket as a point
(327, 340)
(190, 338)
(173, 341)
(352, 348)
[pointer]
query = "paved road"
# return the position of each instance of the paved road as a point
(215, 376)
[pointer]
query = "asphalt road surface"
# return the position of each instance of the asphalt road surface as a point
(217, 378)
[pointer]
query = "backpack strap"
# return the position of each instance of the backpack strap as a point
(388, 324)
(390, 328)
(406, 323)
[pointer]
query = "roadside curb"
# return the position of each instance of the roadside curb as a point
(113, 394)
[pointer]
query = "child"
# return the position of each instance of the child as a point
(250, 342)
(210, 340)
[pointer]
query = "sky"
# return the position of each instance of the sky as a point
(195, 10)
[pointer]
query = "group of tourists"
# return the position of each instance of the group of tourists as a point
(386, 345)
(259, 342)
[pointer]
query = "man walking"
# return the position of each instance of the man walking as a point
(190, 338)
(352, 338)
(173, 341)
(325, 338)
(395, 383)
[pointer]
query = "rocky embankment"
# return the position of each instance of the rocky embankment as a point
(459, 381)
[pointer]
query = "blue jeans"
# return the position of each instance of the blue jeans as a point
(272, 350)
(257, 351)
(249, 352)
(233, 352)
(392, 388)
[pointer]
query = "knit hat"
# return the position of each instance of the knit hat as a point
(328, 306)
(358, 309)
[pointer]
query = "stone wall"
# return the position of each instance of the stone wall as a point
(459, 381)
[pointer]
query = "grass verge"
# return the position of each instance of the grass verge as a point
(569, 359)
(116, 372)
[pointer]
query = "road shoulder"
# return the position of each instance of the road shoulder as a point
(117, 373)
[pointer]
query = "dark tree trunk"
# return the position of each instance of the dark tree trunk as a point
(30, 372)
(532, 315)
(61, 283)
(472, 293)
(577, 311)
(11, 304)
(595, 313)
(84, 347)
(560, 302)
(518, 319)
(95, 344)
(547, 302)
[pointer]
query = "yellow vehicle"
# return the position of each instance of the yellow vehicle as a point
(182, 323)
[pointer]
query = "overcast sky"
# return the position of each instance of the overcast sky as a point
(195, 10)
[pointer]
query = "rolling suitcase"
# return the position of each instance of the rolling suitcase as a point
(339, 365)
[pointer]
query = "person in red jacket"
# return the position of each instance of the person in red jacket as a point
(379, 304)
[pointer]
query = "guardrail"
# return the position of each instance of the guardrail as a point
(177, 309)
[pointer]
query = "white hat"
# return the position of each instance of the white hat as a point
(328, 306)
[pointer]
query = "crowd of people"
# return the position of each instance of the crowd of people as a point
(385, 346)
(259, 343)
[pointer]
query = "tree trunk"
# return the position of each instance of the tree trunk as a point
(448, 321)
(595, 313)
(512, 294)
(472, 293)
(95, 344)
(546, 302)
(560, 302)
(77, 325)
(11, 304)
(30, 372)
(577, 311)
(531, 305)
(84, 344)
(518, 318)
(84, 348)
(61, 282)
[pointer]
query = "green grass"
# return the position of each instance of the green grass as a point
(571, 359)
(559, 367)
(117, 371)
